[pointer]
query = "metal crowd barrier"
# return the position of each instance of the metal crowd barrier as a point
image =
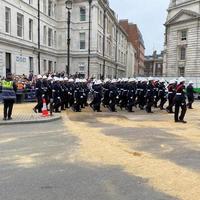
(25, 95)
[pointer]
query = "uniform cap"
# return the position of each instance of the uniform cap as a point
(44, 77)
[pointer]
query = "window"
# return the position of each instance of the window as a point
(45, 66)
(182, 71)
(82, 14)
(30, 2)
(183, 35)
(50, 3)
(55, 66)
(55, 39)
(45, 6)
(7, 20)
(82, 40)
(20, 25)
(44, 35)
(30, 64)
(50, 37)
(55, 10)
(50, 68)
(100, 17)
(182, 53)
(30, 29)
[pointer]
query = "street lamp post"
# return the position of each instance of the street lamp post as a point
(68, 4)
(38, 36)
(89, 38)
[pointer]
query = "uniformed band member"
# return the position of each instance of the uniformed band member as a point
(180, 102)
(123, 93)
(9, 89)
(190, 94)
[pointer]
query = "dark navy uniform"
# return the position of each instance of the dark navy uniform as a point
(180, 102)
(190, 95)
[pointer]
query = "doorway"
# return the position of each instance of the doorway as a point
(8, 63)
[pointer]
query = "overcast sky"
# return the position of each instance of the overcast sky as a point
(149, 15)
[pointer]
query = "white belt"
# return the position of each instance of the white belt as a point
(178, 93)
(170, 92)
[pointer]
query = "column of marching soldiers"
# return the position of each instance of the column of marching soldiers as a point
(125, 93)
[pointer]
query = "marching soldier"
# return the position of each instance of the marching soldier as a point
(97, 96)
(112, 96)
(162, 94)
(180, 102)
(131, 94)
(38, 93)
(171, 95)
(150, 96)
(190, 94)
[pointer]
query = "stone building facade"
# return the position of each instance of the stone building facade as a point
(182, 39)
(154, 65)
(19, 38)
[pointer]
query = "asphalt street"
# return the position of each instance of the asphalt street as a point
(98, 157)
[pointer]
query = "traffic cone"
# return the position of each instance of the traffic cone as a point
(45, 112)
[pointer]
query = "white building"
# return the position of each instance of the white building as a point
(182, 44)
(19, 38)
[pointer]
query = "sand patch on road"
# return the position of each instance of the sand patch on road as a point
(163, 175)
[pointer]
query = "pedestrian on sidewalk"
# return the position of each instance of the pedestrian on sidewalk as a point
(9, 89)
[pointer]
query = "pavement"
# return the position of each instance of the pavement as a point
(102, 156)
(23, 114)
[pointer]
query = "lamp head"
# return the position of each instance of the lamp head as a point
(68, 4)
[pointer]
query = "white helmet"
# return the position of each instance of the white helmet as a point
(77, 80)
(131, 80)
(49, 78)
(144, 80)
(125, 79)
(162, 80)
(191, 83)
(44, 77)
(119, 79)
(114, 81)
(71, 80)
(172, 81)
(66, 79)
(106, 80)
(56, 78)
(98, 82)
(181, 79)
(150, 78)
(39, 76)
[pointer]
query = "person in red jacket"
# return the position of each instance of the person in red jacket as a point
(180, 102)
